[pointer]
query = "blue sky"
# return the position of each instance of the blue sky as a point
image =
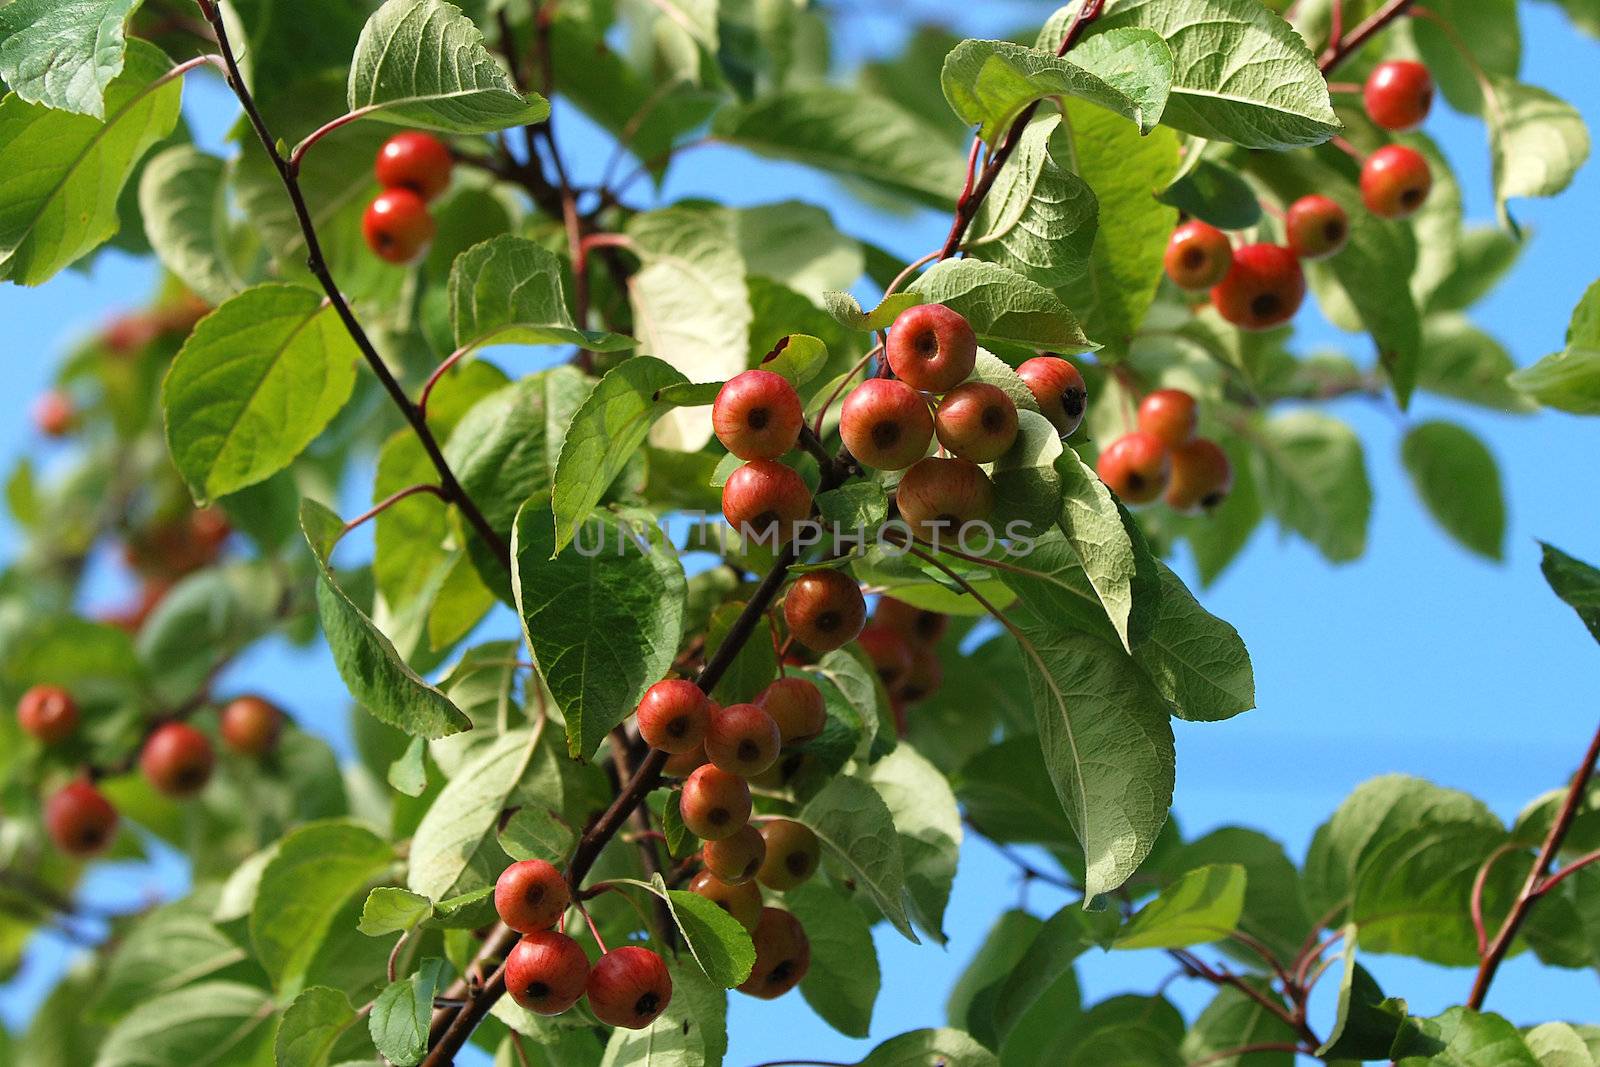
(1418, 658)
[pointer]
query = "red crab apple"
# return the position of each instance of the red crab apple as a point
(250, 725)
(81, 821)
(54, 414)
(681, 764)
(889, 652)
(1170, 414)
(783, 955)
(938, 496)
(1263, 289)
(530, 896)
(48, 712)
(765, 498)
(976, 421)
(547, 972)
(673, 716)
(1395, 182)
(824, 610)
(415, 161)
(931, 348)
(792, 854)
(1316, 227)
(886, 424)
(796, 705)
(1137, 467)
(926, 675)
(735, 860)
(1198, 256)
(397, 226)
(1058, 388)
(919, 625)
(742, 739)
(629, 987)
(1202, 476)
(757, 415)
(742, 901)
(1398, 94)
(177, 760)
(714, 803)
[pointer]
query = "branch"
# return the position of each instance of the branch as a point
(1536, 880)
(316, 263)
(1572, 868)
(1342, 48)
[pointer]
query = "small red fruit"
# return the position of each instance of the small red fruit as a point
(1264, 288)
(886, 424)
(1137, 467)
(742, 740)
(714, 804)
(735, 860)
(919, 625)
(1202, 476)
(1398, 94)
(1316, 227)
(976, 421)
(931, 348)
(1170, 414)
(129, 333)
(824, 610)
(757, 415)
(1058, 388)
(397, 226)
(48, 712)
(796, 705)
(251, 725)
(742, 901)
(792, 854)
(629, 987)
(673, 716)
(177, 760)
(783, 955)
(1198, 256)
(414, 161)
(530, 896)
(927, 675)
(81, 821)
(547, 972)
(680, 764)
(889, 652)
(1395, 182)
(938, 496)
(54, 414)
(764, 499)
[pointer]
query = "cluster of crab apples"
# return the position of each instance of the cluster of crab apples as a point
(1164, 457)
(890, 424)
(175, 758)
(413, 169)
(1259, 286)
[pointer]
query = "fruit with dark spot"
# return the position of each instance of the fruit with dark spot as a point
(976, 421)
(742, 901)
(1202, 476)
(793, 853)
(629, 987)
(680, 764)
(80, 820)
(1395, 182)
(931, 348)
(824, 610)
(890, 654)
(1059, 390)
(764, 499)
(757, 415)
(783, 955)
(714, 803)
(48, 713)
(886, 424)
(1316, 227)
(1264, 288)
(397, 226)
(1137, 467)
(797, 707)
(1398, 94)
(54, 414)
(177, 760)
(250, 725)
(547, 972)
(735, 860)
(1198, 256)
(939, 496)
(530, 896)
(925, 677)
(918, 624)
(673, 716)
(1170, 414)
(742, 739)
(415, 161)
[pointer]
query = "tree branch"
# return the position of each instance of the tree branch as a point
(1342, 48)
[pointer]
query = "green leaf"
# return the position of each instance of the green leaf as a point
(718, 943)
(797, 246)
(447, 851)
(858, 834)
(753, 667)
(602, 618)
(1202, 906)
(1372, 270)
(64, 173)
(1040, 219)
(1008, 795)
(606, 431)
(377, 677)
(423, 63)
(692, 1032)
(1107, 742)
(207, 619)
(217, 1022)
(1315, 481)
(533, 834)
(1457, 478)
(1461, 1038)
(1558, 1045)
(1366, 1023)
(797, 358)
(1575, 582)
(691, 305)
(1197, 660)
(862, 506)
(1537, 141)
(1234, 1020)
(170, 948)
(1216, 194)
(842, 983)
(949, 1048)
(1002, 305)
(508, 291)
(1124, 170)
(1042, 989)
(392, 910)
(1095, 529)
(1463, 362)
(925, 816)
(1274, 902)
(989, 83)
(315, 869)
(311, 1026)
(402, 1012)
(855, 134)
(183, 199)
(62, 54)
(1276, 100)
(1570, 379)
(847, 310)
(1128, 1029)
(255, 383)
(974, 999)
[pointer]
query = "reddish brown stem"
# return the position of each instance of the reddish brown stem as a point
(1343, 46)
